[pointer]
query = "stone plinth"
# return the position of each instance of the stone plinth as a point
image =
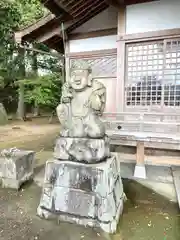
(87, 194)
(16, 167)
(85, 150)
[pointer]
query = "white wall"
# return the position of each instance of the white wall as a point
(104, 20)
(144, 17)
(93, 44)
(152, 16)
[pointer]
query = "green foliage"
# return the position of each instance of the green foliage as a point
(13, 15)
(43, 91)
(15, 66)
(9, 22)
(31, 11)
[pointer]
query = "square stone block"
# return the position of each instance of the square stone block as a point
(16, 167)
(85, 150)
(68, 201)
(99, 178)
(88, 194)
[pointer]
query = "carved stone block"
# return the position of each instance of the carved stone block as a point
(16, 167)
(91, 192)
(86, 150)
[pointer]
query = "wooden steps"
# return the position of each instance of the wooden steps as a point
(150, 160)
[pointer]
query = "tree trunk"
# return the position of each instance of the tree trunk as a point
(21, 108)
(35, 70)
(21, 105)
(36, 110)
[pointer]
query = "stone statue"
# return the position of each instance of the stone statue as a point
(82, 136)
(82, 103)
(82, 182)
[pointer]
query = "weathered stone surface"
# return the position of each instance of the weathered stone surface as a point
(89, 191)
(85, 150)
(83, 183)
(83, 100)
(16, 167)
(99, 177)
(3, 115)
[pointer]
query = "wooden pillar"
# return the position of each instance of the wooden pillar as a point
(22, 74)
(35, 73)
(140, 153)
(120, 59)
(140, 169)
(67, 60)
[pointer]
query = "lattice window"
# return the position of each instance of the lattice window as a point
(105, 66)
(144, 73)
(153, 74)
(172, 73)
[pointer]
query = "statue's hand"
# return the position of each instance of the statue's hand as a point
(95, 102)
(66, 94)
(66, 99)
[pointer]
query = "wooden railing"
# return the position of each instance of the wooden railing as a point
(144, 130)
(143, 122)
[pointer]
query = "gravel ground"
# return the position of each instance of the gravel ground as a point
(18, 219)
(147, 216)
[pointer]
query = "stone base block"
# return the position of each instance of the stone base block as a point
(16, 184)
(87, 194)
(16, 167)
(82, 149)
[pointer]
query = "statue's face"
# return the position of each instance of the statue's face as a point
(79, 79)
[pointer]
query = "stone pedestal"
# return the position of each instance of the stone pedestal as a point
(82, 183)
(87, 194)
(87, 150)
(16, 167)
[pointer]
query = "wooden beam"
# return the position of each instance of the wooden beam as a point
(120, 60)
(131, 2)
(98, 53)
(67, 61)
(41, 52)
(78, 3)
(119, 3)
(144, 36)
(81, 20)
(93, 6)
(45, 37)
(62, 6)
(98, 33)
(84, 7)
(53, 32)
(115, 3)
(68, 3)
(57, 8)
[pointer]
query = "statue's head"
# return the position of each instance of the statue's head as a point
(80, 76)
